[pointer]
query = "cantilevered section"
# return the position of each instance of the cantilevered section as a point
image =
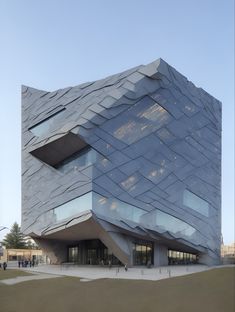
(55, 151)
(125, 169)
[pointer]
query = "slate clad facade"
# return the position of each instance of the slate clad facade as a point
(132, 161)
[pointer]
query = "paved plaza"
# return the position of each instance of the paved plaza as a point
(87, 273)
(90, 273)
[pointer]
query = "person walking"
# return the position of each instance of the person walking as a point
(4, 266)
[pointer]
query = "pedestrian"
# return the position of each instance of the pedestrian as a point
(4, 266)
(125, 267)
(19, 263)
(149, 264)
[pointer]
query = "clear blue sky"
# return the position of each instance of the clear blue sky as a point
(51, 44)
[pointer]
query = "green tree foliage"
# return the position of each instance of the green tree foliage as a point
(14, 239)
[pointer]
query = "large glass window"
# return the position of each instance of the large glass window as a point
(73, 207)
(73, 254)
(172, 224)
(91, 252)
(167, 222)
(180, 257)
(44, 126)
(196, 203)
(118, 210)
(142, 254)
(140, 120)
(114, 208)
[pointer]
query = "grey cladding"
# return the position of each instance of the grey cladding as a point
(156, 139)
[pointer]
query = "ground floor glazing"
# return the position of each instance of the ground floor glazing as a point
(94, 252)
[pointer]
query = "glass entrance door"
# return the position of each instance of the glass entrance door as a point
(92, 256)
(143, 254)
(91, 252)
(73, 254)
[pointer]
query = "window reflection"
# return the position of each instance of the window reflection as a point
(130, 181)
(143, 254)
(44, 126)
(73, 207)
(79, 160)
(142, 119)
(73, 255)
(167, 222)
(153, 113)
(118, 210)
(172, 224)
(180, 257)
(114, 208)
(196, 203)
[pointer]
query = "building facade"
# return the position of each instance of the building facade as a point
(126, 169)
(228, 250)
(14, 255)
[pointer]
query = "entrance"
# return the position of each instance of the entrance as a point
(91, 252)
(92, 256)
(142, 253)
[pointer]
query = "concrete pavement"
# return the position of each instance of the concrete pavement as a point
(95, 272)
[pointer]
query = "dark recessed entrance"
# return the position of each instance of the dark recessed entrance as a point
(92, 252)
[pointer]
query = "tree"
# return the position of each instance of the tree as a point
(14, 239)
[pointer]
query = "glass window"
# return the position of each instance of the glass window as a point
(167, 223)
(178, 257)
(78, 161)
(44, 126)
(172, 224)
(130, 181)
(143, 254)
(196, 203)
(140, 120)
(73, 207)
(116, 209)
(73, 254)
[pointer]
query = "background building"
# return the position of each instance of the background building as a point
(228, 253)
(14, 255)
(124, 169)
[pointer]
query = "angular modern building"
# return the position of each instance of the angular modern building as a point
(125, 169)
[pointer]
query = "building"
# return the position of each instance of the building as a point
(228, 253)
(13, 255)
(125, 169)
(1, 250)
